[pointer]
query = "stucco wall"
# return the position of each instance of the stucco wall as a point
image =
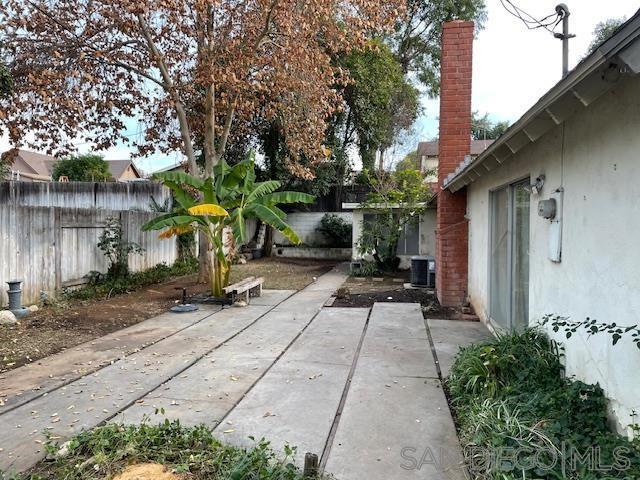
(427, 235)
(599, 275)
(306, 224)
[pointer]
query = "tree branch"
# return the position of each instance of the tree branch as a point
(135, 70)
(185, 131)
(267, 26)
(225, 131)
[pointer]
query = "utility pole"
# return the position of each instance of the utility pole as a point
(563, 12)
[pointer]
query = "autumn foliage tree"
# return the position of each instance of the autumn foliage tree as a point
(187, 69)
(195, 73)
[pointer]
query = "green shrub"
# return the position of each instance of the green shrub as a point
(195, 452)
(367, 269)
(336, 229)
(82, 168)
(510, 393)
(517, 360)
(114, 246)
(101, 286)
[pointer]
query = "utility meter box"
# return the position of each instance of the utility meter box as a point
(547, 208)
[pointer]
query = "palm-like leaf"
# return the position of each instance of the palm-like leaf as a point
(269, 217)
(287, 198)
(169, 220)
(209, 191)
(180, 178)
(171, 231)
(238, 225)
(184, 198)
(208, 209)
(261, 189)
(238, 174)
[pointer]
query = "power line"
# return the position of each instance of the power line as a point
(529, 20)
(138, 133)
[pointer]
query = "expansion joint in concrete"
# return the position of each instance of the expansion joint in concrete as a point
(270, 366)
(433, 351)
(186, 367)
(343, 399)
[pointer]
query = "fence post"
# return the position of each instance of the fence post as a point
(310, 465)
(123, 218)
(57, 246)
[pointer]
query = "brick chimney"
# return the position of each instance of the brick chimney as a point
(454, 144)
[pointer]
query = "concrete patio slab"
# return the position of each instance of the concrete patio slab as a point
(395, 409)
(98, 397)
(30, 381)
(220, 380)
(363, 394)
(449, 335)
(295, 403)
(397, 343)
(272, 297)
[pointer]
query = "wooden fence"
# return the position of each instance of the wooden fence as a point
(52, 247)
(104, 196)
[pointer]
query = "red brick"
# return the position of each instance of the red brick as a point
(455, 141)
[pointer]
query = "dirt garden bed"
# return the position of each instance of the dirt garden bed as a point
(53, 329)
(365, 291)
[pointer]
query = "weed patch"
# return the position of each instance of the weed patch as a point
(192, 453)
(100, 287)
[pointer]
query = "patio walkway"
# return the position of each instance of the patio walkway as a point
(357, 387)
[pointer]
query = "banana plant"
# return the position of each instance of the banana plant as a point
(222, 203)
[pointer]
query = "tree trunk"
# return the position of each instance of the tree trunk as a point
(268, 240)
(209, 132)
(203, 258)
(219, 275)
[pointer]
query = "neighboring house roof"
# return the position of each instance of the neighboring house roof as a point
(38, 163)
(178, 167)
(615, 58)
(118, 167)
(430, 149)
(41, 165)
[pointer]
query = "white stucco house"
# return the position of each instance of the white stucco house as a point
(553, 213)
(418, 238)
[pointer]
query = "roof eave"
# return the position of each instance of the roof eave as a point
(581, 87)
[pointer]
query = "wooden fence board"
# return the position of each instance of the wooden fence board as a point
(103, 196)
(52, 247)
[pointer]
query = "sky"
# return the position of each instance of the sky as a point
(512, 68)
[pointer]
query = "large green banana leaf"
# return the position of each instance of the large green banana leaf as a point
(287, 197)
(180, 177)
(269, 217)
(261, 189)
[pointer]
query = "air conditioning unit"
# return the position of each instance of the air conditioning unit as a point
(423, 271)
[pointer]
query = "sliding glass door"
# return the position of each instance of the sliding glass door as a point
(509, 256)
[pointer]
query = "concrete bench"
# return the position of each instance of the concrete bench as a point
(249, 287)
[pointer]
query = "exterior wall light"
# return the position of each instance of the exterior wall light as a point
(536, 186)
